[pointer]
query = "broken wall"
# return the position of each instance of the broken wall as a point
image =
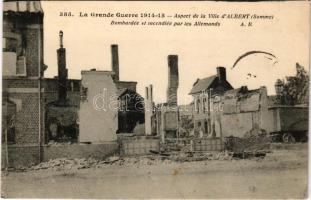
(98, 114)
(242, 113)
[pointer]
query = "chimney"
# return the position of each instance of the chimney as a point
(221, 74)
(151, 92)
(115, 62)
(172, 80)
(62, 71)
(148, 110)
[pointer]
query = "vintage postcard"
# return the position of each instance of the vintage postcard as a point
(155, 99)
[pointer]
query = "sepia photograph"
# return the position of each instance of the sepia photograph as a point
(155, 99)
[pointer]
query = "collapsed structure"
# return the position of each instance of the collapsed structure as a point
(202, 92)
(38, 111)
(218, 110)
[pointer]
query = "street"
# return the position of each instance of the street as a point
(281, 174)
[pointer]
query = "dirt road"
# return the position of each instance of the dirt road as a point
(281, 174)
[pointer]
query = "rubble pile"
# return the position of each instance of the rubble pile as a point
(256, 140)
(64, 163)
(190, 157)
(142, 161)
(139, 161)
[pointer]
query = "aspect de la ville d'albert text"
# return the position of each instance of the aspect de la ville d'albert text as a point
(155, 99)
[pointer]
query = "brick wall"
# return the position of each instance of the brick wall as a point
(27, 118)
(51, 84)
(20, 83)
(20, 155)
(72, 97)
(51, 91)
(32, 54)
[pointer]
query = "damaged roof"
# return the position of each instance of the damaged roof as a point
(202, 84)
(22, 6)
(235, 92)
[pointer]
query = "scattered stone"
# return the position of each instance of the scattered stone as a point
(155, 159)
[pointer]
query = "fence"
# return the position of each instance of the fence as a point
(195, 144)
(139, 146)
(208, 144)
(142, 146)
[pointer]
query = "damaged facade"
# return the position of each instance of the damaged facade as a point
(242, 112)
(39, 111)
(61, 114)
(202, 92)
(98, 114)
(131, 112)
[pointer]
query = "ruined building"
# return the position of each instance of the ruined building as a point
(165, 118)
(32, 116)
(23, 68)
(61, 113)
(242, 112)
(202, 92)
(221, 111)
(238, 111)
(98, 113)
(131, 110)
(39, 111)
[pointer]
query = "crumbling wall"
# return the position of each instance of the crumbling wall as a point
(236, 124)
(98, 114)
(242, 112)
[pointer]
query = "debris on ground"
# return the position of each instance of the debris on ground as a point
(250, 154)
(255, 140)
(157, 158)
(64, 163)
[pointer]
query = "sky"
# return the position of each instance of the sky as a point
(143, 51)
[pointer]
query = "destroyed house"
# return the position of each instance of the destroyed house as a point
(131, 111)
(242, 111)
(202, 92)
(37, 111)
(249, 112)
